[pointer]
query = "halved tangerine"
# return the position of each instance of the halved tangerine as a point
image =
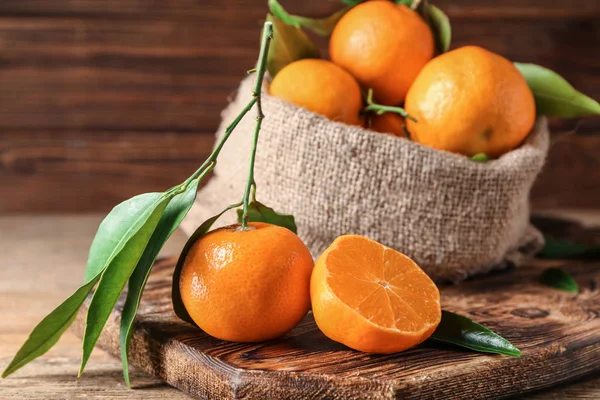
(372, 298)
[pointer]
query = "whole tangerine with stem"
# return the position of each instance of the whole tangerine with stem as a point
(383, 45)
(247, 285)
(321, 87)
(470, 101)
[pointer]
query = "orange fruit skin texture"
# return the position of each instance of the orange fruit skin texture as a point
(321, 87)
(470, 101)
(372, 298)
(384, 46)
(387, 123)
(247, 286)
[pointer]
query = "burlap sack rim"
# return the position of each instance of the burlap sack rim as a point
(532, 141)
(531, 152)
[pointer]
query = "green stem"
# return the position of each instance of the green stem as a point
(256, 95)
(212, 159)
(380, 108)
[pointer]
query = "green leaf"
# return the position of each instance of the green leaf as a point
(49, 330)
(480, 157)
(352, 2)
(320, 26)
(121, 263)
(178, 306)
(176, 210)
(440, 25)
(116, 228)
(258, 212)
(462, 331)
(289, 44)
(554, 96)
(564, 249)
(559, 279)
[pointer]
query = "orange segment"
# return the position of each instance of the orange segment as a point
(372, 298)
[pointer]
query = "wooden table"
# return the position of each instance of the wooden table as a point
(41, 262)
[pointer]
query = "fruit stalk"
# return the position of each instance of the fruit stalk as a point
(380, 108)
(210, 163)
(256, 98)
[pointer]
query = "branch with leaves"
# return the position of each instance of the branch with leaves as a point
(127, 243)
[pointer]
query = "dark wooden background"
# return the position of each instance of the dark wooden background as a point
(104, 99)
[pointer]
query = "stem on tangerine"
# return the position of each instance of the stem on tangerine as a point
(380, 108)
(256, 95)
(211, 161)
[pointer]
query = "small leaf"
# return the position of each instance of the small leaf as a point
(321, 26)
(563, 249)
(480, 157)
(554, 96)
(559, 279)
(440, 25)
(120, 267)
(114, 231)
(289, 44)
(258, 212)
(352, 2)
(176, 210)
(178, 306)
(462, 331)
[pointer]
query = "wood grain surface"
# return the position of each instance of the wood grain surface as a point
(558, 333)
(41, 263)
(142, 74)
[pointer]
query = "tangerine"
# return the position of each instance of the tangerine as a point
(321, 87)
(247, 285)
(384, 46)
(470, 101)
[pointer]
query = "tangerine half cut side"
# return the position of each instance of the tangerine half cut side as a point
(372, 298)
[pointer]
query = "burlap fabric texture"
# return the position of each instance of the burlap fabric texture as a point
(454, 217)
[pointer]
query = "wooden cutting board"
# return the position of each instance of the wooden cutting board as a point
(558, 333)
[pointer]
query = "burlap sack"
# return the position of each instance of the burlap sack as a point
(453, 216)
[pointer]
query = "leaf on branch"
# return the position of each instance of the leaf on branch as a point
(289, 44)
(174, 213)
(554, 96)
(258, 212)
(352, 2)
(321, 26)
(439, 23)
(118, 270)
(113, 236)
